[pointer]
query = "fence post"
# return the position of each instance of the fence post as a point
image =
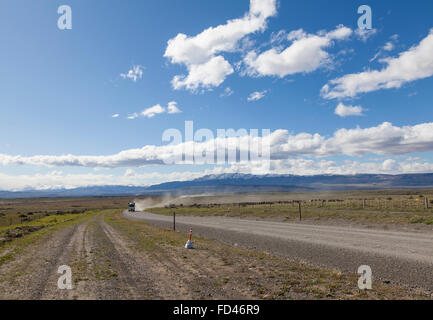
(426, 203)
(300, 211)
(174, 220)
(363, 203)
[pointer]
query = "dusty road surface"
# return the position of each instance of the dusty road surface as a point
(112, 257)
(93, 250)
(400, 257)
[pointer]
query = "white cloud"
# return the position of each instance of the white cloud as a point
(156, 109)
(411, 65)
(389, 46)
(199, 54)
(135, 73)
(227, 92)
(60, 180)
(384, 139)
(206, 75)
(152, 111)
(298, 166)
(257, 95)
(116, 115)
(305, 54)
(132, 116)
(306, 167)
(346, 111)
(172, 108)
(340, 33)
(365, 34)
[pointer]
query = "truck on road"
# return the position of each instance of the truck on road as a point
(131, 207)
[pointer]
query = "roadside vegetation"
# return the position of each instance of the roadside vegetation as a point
(15, 237)
(387, 210)
(214, 269)
(15, 211)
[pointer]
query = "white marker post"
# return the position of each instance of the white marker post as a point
(188, 244)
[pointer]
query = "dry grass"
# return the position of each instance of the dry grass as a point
(396, 209)
(14, 238)
(252, 273)
(15, 211)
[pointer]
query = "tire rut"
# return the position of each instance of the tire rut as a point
(133, 277)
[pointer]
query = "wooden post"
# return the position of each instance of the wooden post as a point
(174, 221)
(363, 203)
(300, 211)
(426, 203)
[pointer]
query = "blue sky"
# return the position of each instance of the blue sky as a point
(61, 88)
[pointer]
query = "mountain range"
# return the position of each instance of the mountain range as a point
(237, 182)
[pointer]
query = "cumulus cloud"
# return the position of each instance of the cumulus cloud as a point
(346, 111)
(207, 69)
(305, 54)
(156, 109)
(257, 95)
(135, 73)
(116, 115)
(60, 180)
(384, 139)
(206, 75)
(411, 65)
(306, 167)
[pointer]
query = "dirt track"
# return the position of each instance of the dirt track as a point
(89, 245)
(401, 257)
(107, 263)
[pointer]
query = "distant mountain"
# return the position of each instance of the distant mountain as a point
(245, 183)
(317, 182)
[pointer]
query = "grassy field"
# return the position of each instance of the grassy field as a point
(398, 208)
(15, 211)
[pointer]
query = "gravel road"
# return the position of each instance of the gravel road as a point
(398, 257)
(94, 251)
(108, 262)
